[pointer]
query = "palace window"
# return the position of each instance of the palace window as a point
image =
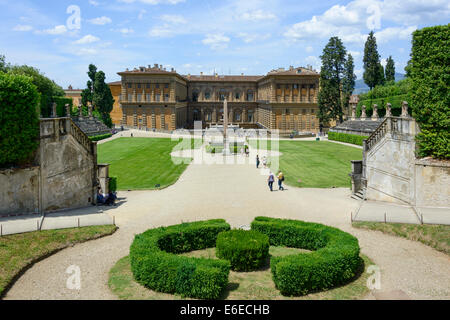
(166, 97)
(222, 95)
(139, 97)
(148, 98)
(139, 85)
(296, 86)
(166, 86)
(237, 95)
(237, 117)
(157, 86)
(207, 95)
(208, 116)
(195, 95)
(157, 97)
(130, 97)
(250, 116)
(129, 85)
(250, 95)
(148, 85)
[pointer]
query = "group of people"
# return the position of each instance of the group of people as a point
(271, 178)
(106, 199)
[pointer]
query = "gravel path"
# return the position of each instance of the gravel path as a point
(237, 193)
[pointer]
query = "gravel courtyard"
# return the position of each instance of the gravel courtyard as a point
(237, 193)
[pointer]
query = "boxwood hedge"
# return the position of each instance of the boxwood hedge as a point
(346, 137)
(335, 260)
(246, 250)
(154, 262)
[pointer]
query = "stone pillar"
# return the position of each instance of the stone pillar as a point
(388, 110)
(308, 92)
(283, 120)
(172, 92)
(405, 110)
(375, 112)
(292, 93)
(173, 119)
(353, 112)
(273, 120)
(90, 111)
(231, 116)
(363, 112)
(68, 110)
(134, 96)
(80, 112)
(54, 114)
(244, 117)
(214, 115)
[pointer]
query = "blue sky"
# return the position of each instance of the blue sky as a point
(236, 36)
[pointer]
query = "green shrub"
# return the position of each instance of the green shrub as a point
(154, 262)
(113, 184)
(348, 138)
(101, 137)
(429, 70)
(246, 250)
(334, 262)
(19, 119)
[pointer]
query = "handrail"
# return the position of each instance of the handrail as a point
(379, 133)
(80, 136)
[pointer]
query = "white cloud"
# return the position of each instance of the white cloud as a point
(126, 30)
(100, 21)
(153, 2)
(21, 27)
(87, 39)
(174, 19)
(86, 52)
(248, 38)
(94, 3)
(141, 14)
(216, 41)
(309, 49)
(257, 15)
(389, 34)
(61, 29)
(314, 61)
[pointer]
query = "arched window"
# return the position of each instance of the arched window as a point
(207, 94)
(237, 95)
(237, 116)
(223, 94)
(197, 115)
(250, 96)
(195, 95)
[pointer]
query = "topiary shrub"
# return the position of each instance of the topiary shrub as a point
(246, 250)
(335, 260)
(101, 137)
(154, 262)
(19, 119)
(113, 184)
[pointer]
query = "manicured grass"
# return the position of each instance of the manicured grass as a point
(435, 236)
(141, 163)
(256, 285)
(318, 164)
(20, 250)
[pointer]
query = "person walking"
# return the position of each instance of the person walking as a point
(270, 180)
(257, 162)
(280, 180)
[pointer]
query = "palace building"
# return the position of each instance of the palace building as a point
(155, 98)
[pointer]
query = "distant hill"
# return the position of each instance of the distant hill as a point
(361, 87)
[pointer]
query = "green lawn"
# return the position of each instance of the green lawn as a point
(435, 236)
(318, 164)
(18, 251)
(141, 163)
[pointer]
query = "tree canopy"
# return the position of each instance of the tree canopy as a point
(390, 69)
(373, 70)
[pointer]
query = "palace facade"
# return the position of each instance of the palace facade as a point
(155, 98)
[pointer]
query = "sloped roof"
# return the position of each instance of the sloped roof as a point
(220, 78)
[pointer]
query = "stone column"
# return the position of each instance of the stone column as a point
(134, 96)
(308, 92)
(244, 117)
(231, 116)
(80, 112)
(283, 120)
(163, 118)
(54, 114)
(152, 93)
(90, 111)
(292, 93)
(405, 110)
(353, 112)
(123, 91)
(363, 112)
(375, 112)
(68, 111)
(214, 115)
(388, 110)
(173, 119)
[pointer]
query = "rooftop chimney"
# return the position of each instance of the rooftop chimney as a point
(201, 73)
(155, 66)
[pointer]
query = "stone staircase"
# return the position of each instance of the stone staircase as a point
(91, 126)
(360, 195)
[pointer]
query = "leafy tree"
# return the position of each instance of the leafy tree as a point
(87, 94)
(46, 87)
(372, 74)
(382, 79)
(336, 80)
(3, 65)
(19, 119)
(390, 69)
(102, 98)
(348, 83)
(429, 70)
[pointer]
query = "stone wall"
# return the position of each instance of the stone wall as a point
(432, 183)
(65, 175)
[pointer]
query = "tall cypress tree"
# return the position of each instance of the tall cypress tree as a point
(87, 94)
(372, 76)
(348, 83)
(382, 79)
(331, 81)
(102, 98)
(390, 69)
